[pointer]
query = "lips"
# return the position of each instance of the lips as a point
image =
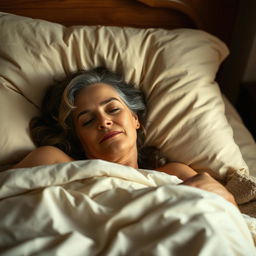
(109, 135)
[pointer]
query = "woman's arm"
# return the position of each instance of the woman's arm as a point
(43, 156)
(180, 170)
(206, 182)
(192, 178)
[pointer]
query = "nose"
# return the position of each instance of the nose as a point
(104, 122)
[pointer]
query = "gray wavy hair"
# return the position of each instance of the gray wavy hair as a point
(131, 96)
(55, 125)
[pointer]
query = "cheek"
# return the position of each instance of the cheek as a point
(88, 143)
(83, 136)
(86, 137)
(134, 122)
(131, 124)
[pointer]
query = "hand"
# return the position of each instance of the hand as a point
(208, 183)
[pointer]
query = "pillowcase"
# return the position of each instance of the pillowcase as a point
(242, 136)
(176, 70)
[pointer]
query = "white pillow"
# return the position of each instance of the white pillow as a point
(242, 136)
(175, 69)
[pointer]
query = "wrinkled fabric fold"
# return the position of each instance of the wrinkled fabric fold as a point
(95, 207)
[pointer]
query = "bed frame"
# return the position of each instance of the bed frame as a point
(214, 16)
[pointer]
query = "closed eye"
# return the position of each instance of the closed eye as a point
(114, 110)
(88, 122)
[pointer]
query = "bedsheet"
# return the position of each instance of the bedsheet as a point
(94, 207)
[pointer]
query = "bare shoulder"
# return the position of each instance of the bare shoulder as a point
(181, 170)
(174, 165)
(48, 149)
(43, 156)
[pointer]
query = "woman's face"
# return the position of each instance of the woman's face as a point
(105, 125)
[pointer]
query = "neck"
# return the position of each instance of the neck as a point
(128, 159)
(131, 163)
(131, 160)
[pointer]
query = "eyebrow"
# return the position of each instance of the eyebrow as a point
(104, 102)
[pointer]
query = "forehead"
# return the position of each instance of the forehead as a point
(95, 93)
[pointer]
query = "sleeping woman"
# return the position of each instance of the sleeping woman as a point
(94, 114)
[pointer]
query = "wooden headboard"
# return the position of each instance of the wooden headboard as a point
(216, 16)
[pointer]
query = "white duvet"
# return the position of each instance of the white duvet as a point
(100, 208)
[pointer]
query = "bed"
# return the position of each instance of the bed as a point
(93, 207)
